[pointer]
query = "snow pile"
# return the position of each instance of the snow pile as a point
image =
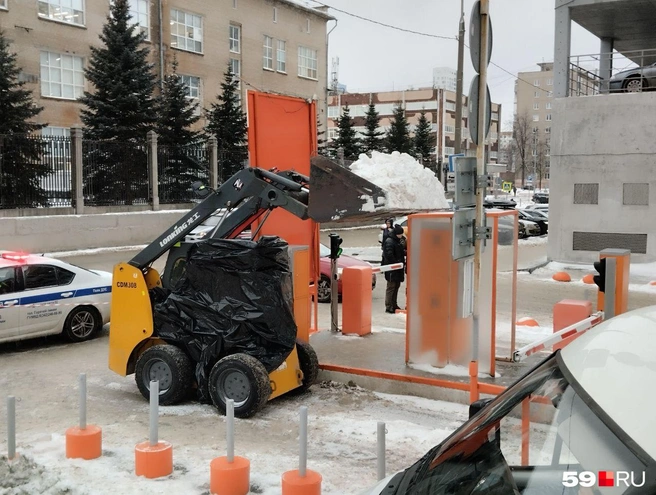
(408, 184)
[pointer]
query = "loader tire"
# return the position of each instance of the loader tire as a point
(171, 367)
(242, 378)
(309, 366)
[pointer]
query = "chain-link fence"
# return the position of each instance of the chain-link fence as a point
(178, 167)
(35, 171)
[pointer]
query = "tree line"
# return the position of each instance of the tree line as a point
(123, 106)
(397, 138)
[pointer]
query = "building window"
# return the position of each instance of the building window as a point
(332, 132)
(3, 4)
(307, 25)
(307, 63)
(536, 118)
(548, 119)
(536, 94)
(548, 107)
(235, 39)
(550, 94)
(536, 83)
(494, 155)
(547, 130)
(586, 194)
(275, 14)
(140, 12)
(70, 11)
(549, 82)
(450, 106)
(186, 31)
(636, 194)
(535, 129)
(333, 112)
(235, 67)
(234, 4)
(62, 76)
(449, 150)
(267, 62)
(192, 84)
(536, 106)
(281, 56)
(449, 129)
(495, 115)
(56, 132)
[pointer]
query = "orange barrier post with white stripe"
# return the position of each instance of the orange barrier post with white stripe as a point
(83, 441)
(568, 312)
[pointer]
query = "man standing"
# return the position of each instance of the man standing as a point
(393, 252)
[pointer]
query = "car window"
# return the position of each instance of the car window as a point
(7, 280)
(324, 251)
(64, 277)
(38, 276)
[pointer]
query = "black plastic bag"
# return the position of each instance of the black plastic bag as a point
(235, 297)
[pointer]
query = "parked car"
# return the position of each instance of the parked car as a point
(501, 204)
(542, 208)
(591, 424)
(44, 296)
(634, 80)
(536, 217)
(541, 197)
(323, 290)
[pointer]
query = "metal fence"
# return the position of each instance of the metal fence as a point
(178, 167)
(114, 173)
(35, 171)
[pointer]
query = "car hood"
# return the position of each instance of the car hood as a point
(346, 261)
(375, 490)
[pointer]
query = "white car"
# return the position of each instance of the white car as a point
(539, 207)
(43, 296)
(592, 421)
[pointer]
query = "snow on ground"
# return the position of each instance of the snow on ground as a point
(641, 274)
(408, 184)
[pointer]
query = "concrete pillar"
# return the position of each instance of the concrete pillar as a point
(152, 169)
(77, 184)
(340, 156)
(213, 148)
(605, 62)
(562, 46)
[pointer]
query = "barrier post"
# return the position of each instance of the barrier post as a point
(83, 441)
(526, 424)
(356, 300)
(230, 475)
(153, 458)
(11, 427)
(566, 313)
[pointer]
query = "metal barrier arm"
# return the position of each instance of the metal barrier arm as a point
(387, 268)
(576, 328)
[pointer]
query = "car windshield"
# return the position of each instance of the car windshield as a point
(324, 251)
(568, 444)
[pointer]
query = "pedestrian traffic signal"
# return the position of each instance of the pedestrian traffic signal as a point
(335, 250)
(600, 279)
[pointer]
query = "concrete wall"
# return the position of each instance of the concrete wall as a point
(72, 232)
(609, 140)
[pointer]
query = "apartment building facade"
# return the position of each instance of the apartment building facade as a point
(272, 45)
(440, 108)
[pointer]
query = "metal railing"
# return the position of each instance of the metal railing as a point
(35, 171)
(178, 168)
(614, 72)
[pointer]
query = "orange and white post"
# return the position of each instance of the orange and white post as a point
(153, 459)
(83, 441)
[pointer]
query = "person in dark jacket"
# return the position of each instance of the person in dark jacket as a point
(393, 252)
(387, 231)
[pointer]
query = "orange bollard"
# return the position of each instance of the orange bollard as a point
(566, 313)
(302, 481)
(295, 484)
(562, 277)
(356, 300)
(588, 279)
(153, 461)
(473, 381)
(527, 322)
(230, 474)
(83, 441)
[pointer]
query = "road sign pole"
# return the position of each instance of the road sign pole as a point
(480, 169)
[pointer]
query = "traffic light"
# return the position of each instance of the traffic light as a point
(335, 250)
(600, 279)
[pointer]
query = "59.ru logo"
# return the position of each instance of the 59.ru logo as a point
(603, 478)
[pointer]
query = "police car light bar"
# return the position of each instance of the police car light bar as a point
(15, 256)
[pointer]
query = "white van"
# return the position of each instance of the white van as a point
(592, 428)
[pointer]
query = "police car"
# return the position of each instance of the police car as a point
(44, 296)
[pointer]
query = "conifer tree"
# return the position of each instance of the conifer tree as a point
(373, 135)
(398, 137)
(181, 165)
(227, 122)
(346, 136)
(21, 167)
(120, 109)
(423, 141)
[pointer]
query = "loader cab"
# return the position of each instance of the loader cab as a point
(175, 264)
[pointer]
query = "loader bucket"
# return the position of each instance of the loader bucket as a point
(336, 193)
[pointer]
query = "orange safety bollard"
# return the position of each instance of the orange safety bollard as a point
(83, 441)
(566, 313)
(302, 481)
(562, 277)
(230, 474)
(356, 300)
(588, 279)
(473, 381)
(152, 458)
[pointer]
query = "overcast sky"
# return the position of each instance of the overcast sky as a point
(377, 58)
